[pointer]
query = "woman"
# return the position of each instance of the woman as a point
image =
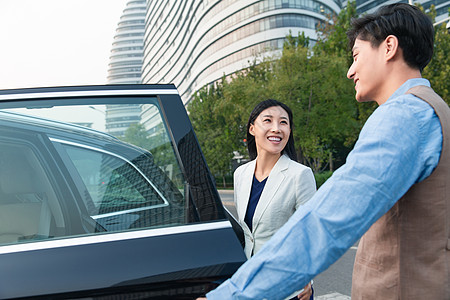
(272, 186)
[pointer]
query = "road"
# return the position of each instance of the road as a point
(333, 284)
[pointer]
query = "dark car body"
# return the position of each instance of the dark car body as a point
(86, 214)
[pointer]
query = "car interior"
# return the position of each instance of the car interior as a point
(29, 209)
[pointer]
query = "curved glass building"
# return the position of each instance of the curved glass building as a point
(441, 6)
(125, 64)
(192, 43)
(369, 6)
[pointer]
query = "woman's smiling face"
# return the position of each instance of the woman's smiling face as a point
(271, 130)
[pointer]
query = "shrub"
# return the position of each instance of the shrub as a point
(322, 177)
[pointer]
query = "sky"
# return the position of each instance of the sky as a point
(56, 42)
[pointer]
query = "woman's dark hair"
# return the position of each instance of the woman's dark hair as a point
(413, 29)
(289, 149)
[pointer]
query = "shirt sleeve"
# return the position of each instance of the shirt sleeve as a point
(385, 162)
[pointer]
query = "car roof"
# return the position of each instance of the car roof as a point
(87, 91)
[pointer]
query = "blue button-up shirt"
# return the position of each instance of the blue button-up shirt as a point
(399, 145)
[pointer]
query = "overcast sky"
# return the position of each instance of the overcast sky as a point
(56, 42)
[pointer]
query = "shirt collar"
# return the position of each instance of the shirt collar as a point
(407, 85)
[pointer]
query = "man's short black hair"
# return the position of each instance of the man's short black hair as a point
(413, 29)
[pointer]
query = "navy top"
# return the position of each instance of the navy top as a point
(255, 194)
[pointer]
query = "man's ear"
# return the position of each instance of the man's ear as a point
(391, 47)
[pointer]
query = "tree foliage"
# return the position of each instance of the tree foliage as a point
(209, 115)
(438, 70)
(137, 135)
(158, 144)
(312, 82)
(333, 33)
(321, 98)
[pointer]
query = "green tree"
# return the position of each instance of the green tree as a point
(332, 33)
(312, 83)
(158, 144)
(438, 70)
(333, 42)
(322, 100)
(137, 135)
(217, 140)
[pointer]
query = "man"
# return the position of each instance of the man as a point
(396, 181)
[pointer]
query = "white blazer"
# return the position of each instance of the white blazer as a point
(289, 185)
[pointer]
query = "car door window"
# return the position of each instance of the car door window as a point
(29, 206)
(108, 172)
(120, 192)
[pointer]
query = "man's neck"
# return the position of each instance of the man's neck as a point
(397, 78)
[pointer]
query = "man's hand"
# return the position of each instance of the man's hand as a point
(306, 293)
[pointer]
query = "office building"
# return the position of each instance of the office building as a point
(369, 6)
(193, 43)
(125, 64)
(127, 49)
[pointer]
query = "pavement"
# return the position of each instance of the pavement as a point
(332, 296)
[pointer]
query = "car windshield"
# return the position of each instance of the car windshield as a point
(78, 167)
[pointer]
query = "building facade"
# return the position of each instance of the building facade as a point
(125, 64)
(193, 43)
(369, 6)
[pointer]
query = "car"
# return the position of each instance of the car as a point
(105, 193)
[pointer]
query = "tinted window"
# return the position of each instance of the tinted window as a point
(29, 207)
(97, 168)
(118, 189)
